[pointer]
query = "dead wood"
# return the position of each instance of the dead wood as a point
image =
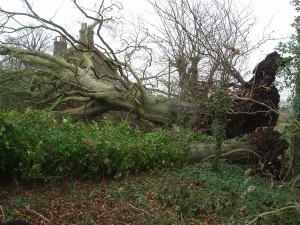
(253, 105)
(253, 110)
(271, 145)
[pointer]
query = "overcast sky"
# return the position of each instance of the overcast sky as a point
(277, 15)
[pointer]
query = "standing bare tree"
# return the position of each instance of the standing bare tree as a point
(30, 37)
(206, 41)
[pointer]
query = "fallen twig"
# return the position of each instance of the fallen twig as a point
(140, 210)
(273, 211)
(40, 215)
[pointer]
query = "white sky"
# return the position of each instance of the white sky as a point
(276, 14)
(272, 15)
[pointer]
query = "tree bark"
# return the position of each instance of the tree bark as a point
(64, 87)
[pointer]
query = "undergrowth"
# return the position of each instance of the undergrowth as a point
(160, 190)
(197, 195)
(188, 195)
(33, 145)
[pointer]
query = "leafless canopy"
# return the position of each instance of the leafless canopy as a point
(206, 42)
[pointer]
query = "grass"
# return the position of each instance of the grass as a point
(189, 195)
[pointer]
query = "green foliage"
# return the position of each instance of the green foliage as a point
(198, 191)
(291, 73)
(290, 64)
(219, 106)
(195, 194)
(35, 145)
(292, 135)
(192, 194)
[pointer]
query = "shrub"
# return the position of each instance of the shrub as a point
(34, 145)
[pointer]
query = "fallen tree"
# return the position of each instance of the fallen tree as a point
(63, 82)
(89, 79)
(252, 108)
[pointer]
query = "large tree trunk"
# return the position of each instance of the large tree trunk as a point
(67, 88)
(159, 110)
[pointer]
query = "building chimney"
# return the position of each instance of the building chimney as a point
(82, 31)
(60, 45)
